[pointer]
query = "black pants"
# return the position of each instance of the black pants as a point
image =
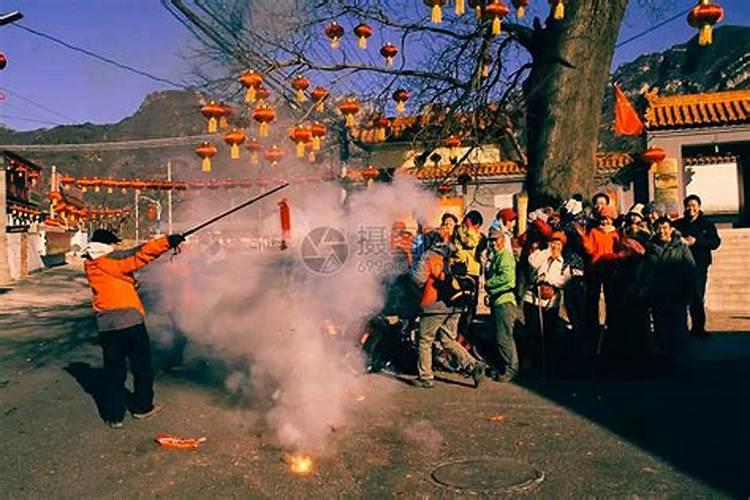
(697, 308)
(130, 343)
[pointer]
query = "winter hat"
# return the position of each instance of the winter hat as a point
(559, 236)
(650, 207)
(496, 234)
(608, 211)
(637, 209)
(507, 215)
(573, 206)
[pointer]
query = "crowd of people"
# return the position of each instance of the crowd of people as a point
(583, 288)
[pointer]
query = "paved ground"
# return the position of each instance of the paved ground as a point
(650, 437)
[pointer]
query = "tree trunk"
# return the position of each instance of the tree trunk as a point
(564, 103)
(5, 278)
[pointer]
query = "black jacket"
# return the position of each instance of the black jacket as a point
(706, 238)
(668, 272)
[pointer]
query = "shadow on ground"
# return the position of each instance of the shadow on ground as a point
(700, 427)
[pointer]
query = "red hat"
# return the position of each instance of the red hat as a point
(507, 215)
(608, 211)
(544, 229)
(560, 236)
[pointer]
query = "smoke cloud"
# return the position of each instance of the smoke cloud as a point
(296, 329)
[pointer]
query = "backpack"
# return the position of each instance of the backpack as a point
(458, 289)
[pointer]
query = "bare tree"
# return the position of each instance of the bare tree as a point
(461, 78)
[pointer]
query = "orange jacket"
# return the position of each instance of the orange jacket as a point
(113, 284)
(429, 270)
(598, 243)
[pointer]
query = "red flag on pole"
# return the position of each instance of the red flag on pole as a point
(627, 121)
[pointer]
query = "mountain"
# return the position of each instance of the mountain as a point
(682, 69)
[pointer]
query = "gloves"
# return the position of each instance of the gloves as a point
(175, 240)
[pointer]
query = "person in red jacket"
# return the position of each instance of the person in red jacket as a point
(600, 245)
(120, 320)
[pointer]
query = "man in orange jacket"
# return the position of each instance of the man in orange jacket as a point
(120, 320)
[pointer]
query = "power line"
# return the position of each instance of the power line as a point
(101, 58)
(15, 117)
(38, 105)
(163, 142)
(653, 28)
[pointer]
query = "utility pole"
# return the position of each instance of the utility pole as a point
(169, 198)
(137, 218)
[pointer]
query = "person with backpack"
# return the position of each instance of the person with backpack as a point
(120, 320)
(500, 284)
(470, 242)
(441, 309)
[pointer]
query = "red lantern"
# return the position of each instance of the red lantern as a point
(363, 32)
(251, 81)
(389, 51)
(559, 9)
(453, 143)
(224, 118)
(401, 96)
(262, 93)
(496, 10)
(319, 95)
(206, 150)
(703, 17)
(300, 84)
(520, 6)
(652, 156)
(3, 61)
(254, 147)
(264, 114)
(234, 138)
(437, 10)
(349, 108)
(213, 111)
(300, 136)
(286, 223)
(370, 173)
(151, 212)
(444, 189)
(382, 125)
(318, 131)
(334, 32)
(273, 154)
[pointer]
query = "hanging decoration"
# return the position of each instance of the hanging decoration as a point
(262, 93)
(453, 143)
(300, 84)
(460, 7)
(264, 114)
(3, 61)
(363, 32)
(653, 156)
(558, 12)
(382, 124)
(349, 108)
(334, 32)
(703, 17)
(436, 15)
(477, 5)
(254, 147)
(224, 118)
(234, 138)
(520, 6)
(300, 135)
(496, 10)
(486, 66)
(213, 111)
(319, 95)
(252, 81)
(318, 131)
(273, 154)
(389, 51)
(444, 189)
(206, 151)
(401, 96)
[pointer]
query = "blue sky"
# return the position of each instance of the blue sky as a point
(143, 34)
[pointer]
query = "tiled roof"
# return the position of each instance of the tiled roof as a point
(607, 164)
(708, 160)
(698, 110)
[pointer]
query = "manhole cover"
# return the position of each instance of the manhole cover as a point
(486, 475)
